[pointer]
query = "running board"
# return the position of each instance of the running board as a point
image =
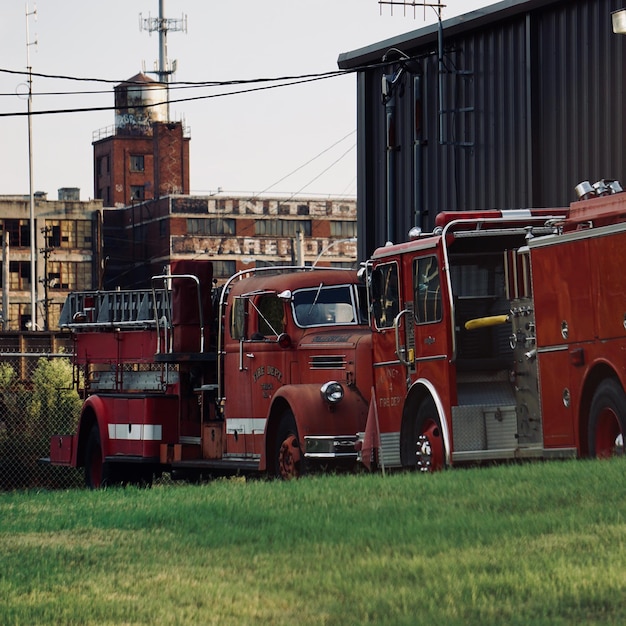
(514, 453)
(245, 465)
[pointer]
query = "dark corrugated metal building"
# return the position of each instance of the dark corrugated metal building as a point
(520, 102)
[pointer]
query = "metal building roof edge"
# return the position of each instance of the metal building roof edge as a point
(453, 26)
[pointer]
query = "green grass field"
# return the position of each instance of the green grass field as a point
(525, 544)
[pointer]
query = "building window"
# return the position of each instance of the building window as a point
(69, 275)
(223, 269)
(19, 275)
(54, 236)
(136, 192)
(19, 233)
(102, 165)
(343, 229)
(84, 238)
(68, 234)
(104, 195)
(282, 228)
(210, 226)
(136, 163)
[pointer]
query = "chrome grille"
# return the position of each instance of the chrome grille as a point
(328, 362)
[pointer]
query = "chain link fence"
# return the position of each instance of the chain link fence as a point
(37, 399)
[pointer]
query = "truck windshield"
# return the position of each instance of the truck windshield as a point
(322, 305)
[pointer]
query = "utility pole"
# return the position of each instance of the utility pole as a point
(5, 281)
(33, 247)
(46, 252)
(162, 25)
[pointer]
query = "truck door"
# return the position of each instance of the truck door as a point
(261, 367)
(409, 339)
(389, 370)
(431, 345)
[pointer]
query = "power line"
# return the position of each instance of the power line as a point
(190, 99)
(212, 83)
(352, 147)
(317, 156)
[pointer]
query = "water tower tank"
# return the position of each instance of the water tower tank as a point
(139, 102)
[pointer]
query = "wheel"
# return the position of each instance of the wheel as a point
(97, 473)
(139, 476)
(430, 451)
(607, 420)
(289, 459)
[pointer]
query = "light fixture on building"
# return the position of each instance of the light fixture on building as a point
(619, 21)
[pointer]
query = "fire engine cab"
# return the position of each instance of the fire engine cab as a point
(271, 373)
(501, 335)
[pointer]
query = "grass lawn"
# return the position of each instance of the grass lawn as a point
(538, 543)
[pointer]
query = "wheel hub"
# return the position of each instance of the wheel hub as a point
(424, 454)
(289, 458)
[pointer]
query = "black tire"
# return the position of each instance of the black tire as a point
(137, 475)
(607, 420)
(97, 472)
(288, 457)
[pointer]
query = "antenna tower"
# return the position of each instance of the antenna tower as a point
(414, 4)
(163, 25)
(33, 247)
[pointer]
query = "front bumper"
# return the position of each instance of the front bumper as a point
(330, 447)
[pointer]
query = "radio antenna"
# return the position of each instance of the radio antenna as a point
(163, 25)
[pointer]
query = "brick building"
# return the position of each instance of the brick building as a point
(235, 233)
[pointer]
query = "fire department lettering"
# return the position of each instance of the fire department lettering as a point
(270, 370)
(393, 401)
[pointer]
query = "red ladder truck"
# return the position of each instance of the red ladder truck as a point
(273, 375)
(501, 335)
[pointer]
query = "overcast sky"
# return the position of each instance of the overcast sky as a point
(297, 139)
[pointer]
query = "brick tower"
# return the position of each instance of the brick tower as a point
(145, 156)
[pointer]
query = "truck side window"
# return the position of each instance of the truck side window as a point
(385, 294)
(271, 314)
(426, 290)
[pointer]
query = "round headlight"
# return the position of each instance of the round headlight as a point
(332, 392)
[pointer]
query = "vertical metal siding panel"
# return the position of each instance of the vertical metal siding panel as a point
(580, 81)
(495, 170)
(615, 51)
(404, 154)
(370, 176)
(365, 210)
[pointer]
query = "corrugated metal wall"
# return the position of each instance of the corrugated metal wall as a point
(579, 77)
(532, 105)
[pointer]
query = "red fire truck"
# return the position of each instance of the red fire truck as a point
(277, 381)
(501, 335)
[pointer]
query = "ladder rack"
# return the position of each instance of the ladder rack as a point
(93, 310)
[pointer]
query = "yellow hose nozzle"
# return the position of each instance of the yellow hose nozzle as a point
(484, 322)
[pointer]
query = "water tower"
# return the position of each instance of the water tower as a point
(139, 103)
